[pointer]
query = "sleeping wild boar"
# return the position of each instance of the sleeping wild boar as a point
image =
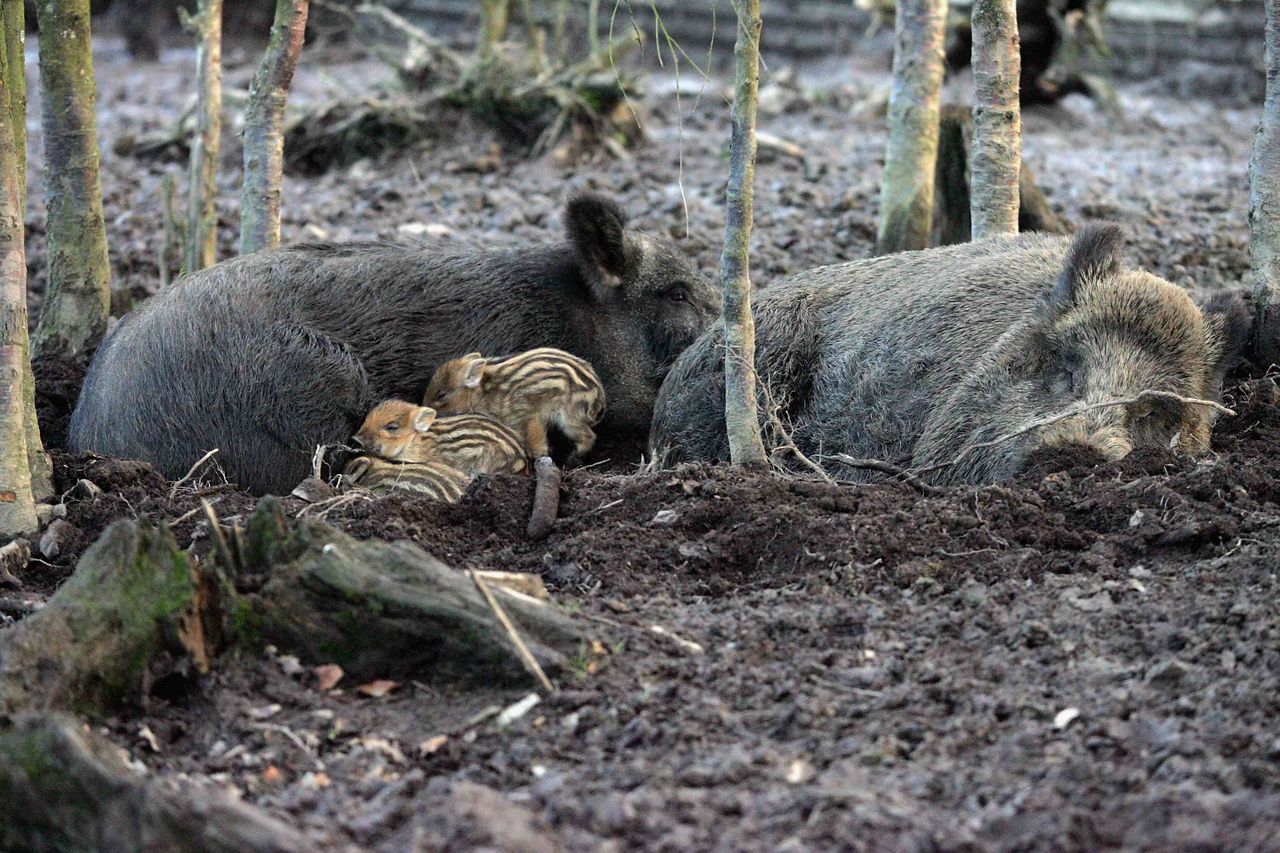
(267, 356)
(927, 359)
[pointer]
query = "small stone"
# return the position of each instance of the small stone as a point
(1168, 673)
(1036, 634)
(1064, 717)
(1136, 518)
(1140, 572)
(86, 490)
(46, 513)
(665, 516)
(1093, 603)
(313, 490)
(55, 537)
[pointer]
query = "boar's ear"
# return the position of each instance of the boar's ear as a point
(424, 418)
(595, 225)
(1231, 324)
(1094, 254)
(473, 372)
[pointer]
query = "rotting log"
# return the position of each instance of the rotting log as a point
(136, 609)
(383, 608)
(63, 788)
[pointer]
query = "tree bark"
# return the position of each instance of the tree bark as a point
(202, 214)
(1264, 204)
(264, 129)
(906, 194)
(951, 204)
(14, 17)
(62, 787)
(741, 418)
(17, 502)
(997, 119)
(134, 599)
(493, 27)
(78, 295)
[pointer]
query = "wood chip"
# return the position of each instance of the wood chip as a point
(377, 688)
(327, 676)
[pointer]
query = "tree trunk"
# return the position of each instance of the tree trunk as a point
(741, 419)
(134, 600)
(62, 787)
(906, 194)
(951, 206)
(997, 120)
(14, 16)
(202, 213)
(493, 27)
(17, 503)
(1264, 204)
(78, 295)
(264, 129)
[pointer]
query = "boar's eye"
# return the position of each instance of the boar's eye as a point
(678, 294)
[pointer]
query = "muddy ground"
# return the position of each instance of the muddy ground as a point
(1086, 658)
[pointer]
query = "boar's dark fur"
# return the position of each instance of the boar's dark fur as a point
(921, 358)
(266, 356)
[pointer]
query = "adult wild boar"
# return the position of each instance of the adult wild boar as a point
(266, 356)
(922, 359)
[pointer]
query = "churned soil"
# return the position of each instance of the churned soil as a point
(1084, 658)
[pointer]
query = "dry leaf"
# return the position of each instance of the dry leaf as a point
(377, 688)
(327, 676)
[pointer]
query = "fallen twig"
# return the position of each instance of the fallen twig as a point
(546, 499)
(905, 476)
(173, 490)
(526, 656)
(1071, 413)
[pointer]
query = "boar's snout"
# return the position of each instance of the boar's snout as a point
(1101, 430)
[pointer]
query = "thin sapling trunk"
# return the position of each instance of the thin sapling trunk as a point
(264, 129)
(202, 214)
(741, 419)
(78, 294)
(997, 119)
(906, 192)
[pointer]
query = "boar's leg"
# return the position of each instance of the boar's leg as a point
(535, 438)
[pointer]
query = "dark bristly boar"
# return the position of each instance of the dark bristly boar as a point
(266, 356)
(926, 359)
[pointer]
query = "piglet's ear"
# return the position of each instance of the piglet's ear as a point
(473, 373)
(1094, 254)
(1230, 324)
(423, 418)
(595, 228)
